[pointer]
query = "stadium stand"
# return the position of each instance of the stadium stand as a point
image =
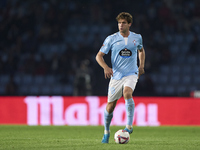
(42, 44)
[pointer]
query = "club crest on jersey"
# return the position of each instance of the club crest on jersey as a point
(134, 42)
(125, 53)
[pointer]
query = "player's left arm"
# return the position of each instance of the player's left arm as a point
(141, 55)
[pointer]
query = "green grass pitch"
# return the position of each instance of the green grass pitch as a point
(14, 137)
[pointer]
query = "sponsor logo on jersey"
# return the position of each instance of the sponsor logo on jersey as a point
(125, 53)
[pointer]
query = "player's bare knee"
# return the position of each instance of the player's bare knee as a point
(127, 94)
(109, 109)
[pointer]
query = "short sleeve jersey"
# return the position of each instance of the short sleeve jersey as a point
(123, 53)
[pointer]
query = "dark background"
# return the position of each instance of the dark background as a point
(48, 47)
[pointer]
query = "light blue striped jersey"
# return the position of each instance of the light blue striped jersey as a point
(123, 53)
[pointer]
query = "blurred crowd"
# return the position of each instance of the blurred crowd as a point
(60, 38)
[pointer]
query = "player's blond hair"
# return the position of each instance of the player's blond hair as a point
(124, 15)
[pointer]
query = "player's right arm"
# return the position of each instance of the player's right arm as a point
(108, 72)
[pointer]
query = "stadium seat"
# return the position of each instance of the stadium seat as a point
(181, 89)
(174, 79)
(188, 39)
(179, 60)
(196, 80)
(2, 89)
(27, 79)
(154, 77)
(159, 89)
(57, 90)
(39, 79)
(175, 70)
(192, 88)
(191, 59)
(4, 79)
(43, 48)
(46, 90)
(163, 78)
(73, 29)
(83, 28)
(184, 48)
(18, 79)
(68, 89)
(169, 90)
(95, 29)
(50, 79)
(174, 49)
(196, 69)
(34, 90)
(186, 69)
(165, 69)
(24, 89)
(179, 38)
(186, 79)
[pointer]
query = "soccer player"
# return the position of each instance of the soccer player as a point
(125, 47)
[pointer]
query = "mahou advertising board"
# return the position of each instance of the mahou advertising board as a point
(58, 110)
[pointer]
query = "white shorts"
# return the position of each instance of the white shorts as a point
(115, 89)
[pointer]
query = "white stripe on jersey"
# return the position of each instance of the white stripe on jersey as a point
(126, 40)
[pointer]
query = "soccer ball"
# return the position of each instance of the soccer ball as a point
(122, 137)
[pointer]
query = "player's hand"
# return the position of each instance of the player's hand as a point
(108, 72)
(141, 71)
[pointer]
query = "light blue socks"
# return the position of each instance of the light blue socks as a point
(107, 120)
(130, 106)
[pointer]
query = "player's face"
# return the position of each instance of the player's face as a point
(123, 25)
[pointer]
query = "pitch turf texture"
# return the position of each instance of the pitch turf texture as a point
(89, 138)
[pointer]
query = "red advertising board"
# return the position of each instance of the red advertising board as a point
(58, 110)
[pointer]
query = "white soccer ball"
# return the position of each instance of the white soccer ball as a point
(122, 137)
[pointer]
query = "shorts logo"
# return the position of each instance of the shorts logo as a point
(125, 53)
(111, 90)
